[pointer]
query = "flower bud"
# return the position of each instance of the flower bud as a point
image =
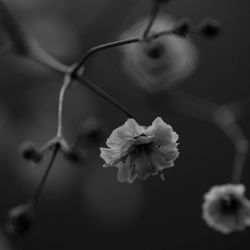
(90, 131)
(74, 155)
(226, 209)
(30, 152)
(182, 27)
(209, 28)
(20, 219)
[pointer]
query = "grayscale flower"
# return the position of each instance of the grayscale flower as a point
(226, 209)
(158, 63)
(139, 151)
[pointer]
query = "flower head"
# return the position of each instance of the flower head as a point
(20, 219)
(226, 209)
(158, 63)
(139, 151)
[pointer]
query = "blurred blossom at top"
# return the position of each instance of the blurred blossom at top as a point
(27, 5)
(48, 22)
(55, 34)
(159, 63)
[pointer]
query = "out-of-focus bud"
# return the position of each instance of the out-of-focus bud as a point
(182, 27)
(74, 155)
(90, 131)
(209, 28)
(20, 219)
(159, 63)
(30, 152)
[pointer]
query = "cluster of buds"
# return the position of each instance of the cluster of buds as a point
(207, 28)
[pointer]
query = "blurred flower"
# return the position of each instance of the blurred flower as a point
(90, 131)
(20, 219)
(30, 152)
(141, 151)
(209, 28)
(226, 209)
(4, 244)
(75, 155)
(27, 5)
(50, 30)
(161, 62)
(11, 35)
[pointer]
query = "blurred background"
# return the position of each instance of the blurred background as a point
(86, 207)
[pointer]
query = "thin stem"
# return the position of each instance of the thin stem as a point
(154, 12)
(105, 46)
(225, 119)
(41, 56)
(240, 109)
(66, 84)
(159, 34)
(239, 161)
(103, 94)
(101, 47)
(45, 176)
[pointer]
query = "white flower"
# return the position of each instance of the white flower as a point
(226, 209)
(161, 62)
(139, 151)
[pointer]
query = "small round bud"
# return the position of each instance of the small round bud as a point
(209, 28)
(155, 51)
(74, 155)
(20, 219)
(90, 131)
(182, 27)
(30, 152)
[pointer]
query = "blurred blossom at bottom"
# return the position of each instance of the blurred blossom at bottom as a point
(4, 245)
(110, 203)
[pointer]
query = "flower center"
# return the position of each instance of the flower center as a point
(230, 204)
(155, 51)
(136, 137)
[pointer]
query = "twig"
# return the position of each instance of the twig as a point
(44, 178)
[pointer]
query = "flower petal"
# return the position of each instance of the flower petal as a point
(162, 132)
(143, 165)
(126, 171)
(163, 157)
(122, 134)
(110, 155)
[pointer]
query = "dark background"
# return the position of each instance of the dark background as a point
(86, 207)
